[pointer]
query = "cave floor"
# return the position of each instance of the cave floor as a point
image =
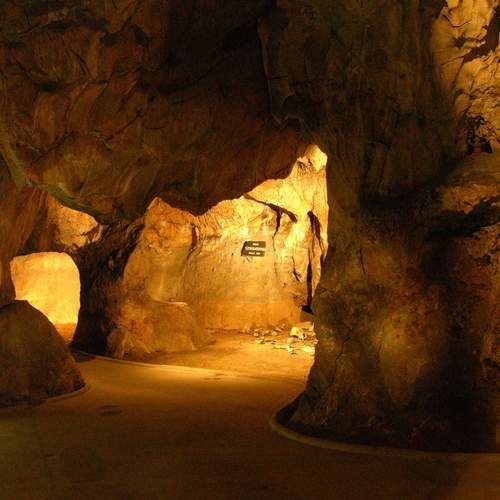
(169, 432)
(240, 352)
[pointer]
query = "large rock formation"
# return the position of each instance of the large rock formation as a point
(34, 361)
(393, 364)
(109, 105)
(186, 266)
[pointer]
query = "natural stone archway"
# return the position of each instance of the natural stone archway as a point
(110, 105)
(178, 274)
(35, 363)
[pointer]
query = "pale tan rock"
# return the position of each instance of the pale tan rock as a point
(297, 332)
(151, 327)
(50, 282)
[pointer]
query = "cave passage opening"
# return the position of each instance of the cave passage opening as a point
(173, 287)
(50, 282)
(244, 272)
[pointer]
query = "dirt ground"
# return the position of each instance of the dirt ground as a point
(244, 352)
(266, 353)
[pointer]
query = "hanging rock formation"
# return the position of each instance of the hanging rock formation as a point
(108, 105)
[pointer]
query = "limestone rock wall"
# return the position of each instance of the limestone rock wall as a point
(382, 100)
(193, 265)
(106, 105)
(35, 363)
(61, 229)
(464, 43)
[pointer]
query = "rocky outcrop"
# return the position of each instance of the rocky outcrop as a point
(195, 265)
(109, 106)
(35, 363)
(378, 98)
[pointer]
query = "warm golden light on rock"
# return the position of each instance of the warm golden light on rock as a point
(202, 262)
(288, 178)
(50, 282)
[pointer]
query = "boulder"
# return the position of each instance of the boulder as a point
(35, 362)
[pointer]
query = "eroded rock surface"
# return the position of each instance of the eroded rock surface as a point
(198, 261)
(109, 105)
(379, 99)
(35, 362)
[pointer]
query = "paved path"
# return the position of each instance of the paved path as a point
(148, 432)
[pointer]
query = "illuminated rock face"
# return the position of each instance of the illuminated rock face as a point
(197, 261)
(108, 106)
(393, 364)
(50, 282)
(35, 362)
(113, 105)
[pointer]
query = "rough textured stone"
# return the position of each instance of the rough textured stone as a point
(379, 100)
(61, 229)
(18, 211)
(109, 105)
(155, 327)
(35, 363)
(198, 260)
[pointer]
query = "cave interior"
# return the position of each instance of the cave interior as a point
(298, 189)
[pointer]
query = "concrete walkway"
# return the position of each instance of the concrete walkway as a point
(148, 432)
